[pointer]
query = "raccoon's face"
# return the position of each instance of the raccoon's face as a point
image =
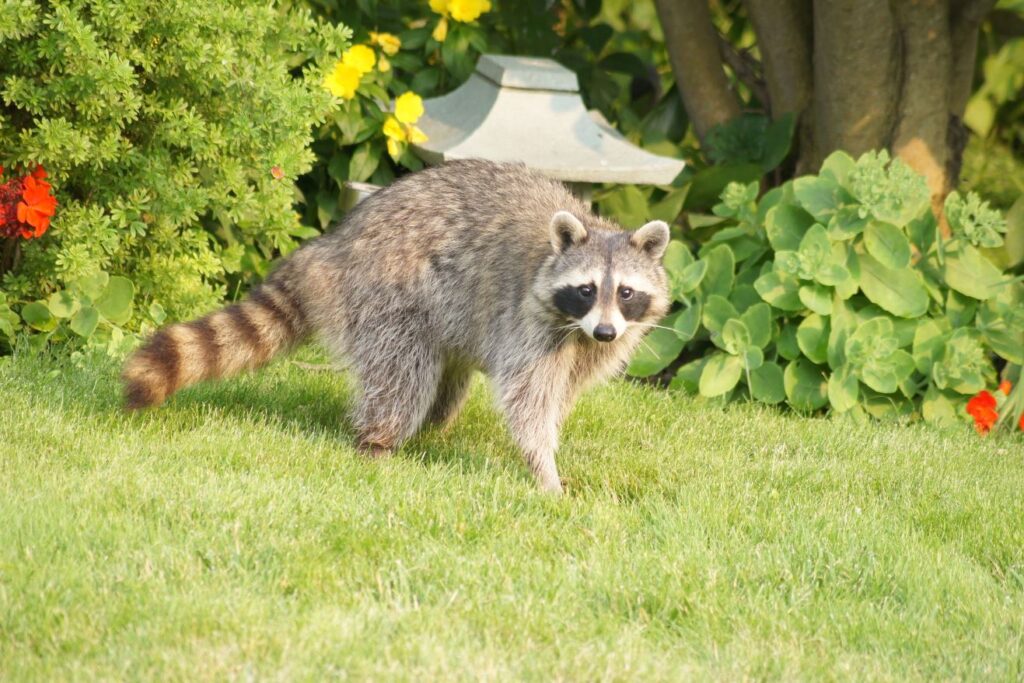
(606, 282)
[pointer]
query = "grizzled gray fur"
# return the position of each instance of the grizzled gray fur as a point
(468, 266)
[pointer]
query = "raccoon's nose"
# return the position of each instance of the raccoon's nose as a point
(604, 333)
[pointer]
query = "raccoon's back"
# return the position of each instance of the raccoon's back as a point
(469, 206)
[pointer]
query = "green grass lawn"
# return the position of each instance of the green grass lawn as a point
(235, 533)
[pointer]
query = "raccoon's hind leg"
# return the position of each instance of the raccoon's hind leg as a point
(399, 377)
(451, 394)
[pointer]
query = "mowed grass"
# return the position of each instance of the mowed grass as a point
(235, 534)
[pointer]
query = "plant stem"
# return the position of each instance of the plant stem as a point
(11, 255)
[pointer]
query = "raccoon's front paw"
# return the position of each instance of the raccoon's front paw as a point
(374, 450)
(552, 485)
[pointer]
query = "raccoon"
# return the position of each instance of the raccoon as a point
(470, 265)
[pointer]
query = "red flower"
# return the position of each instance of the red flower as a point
(1005, 387)
(983, 409)
(37, 205)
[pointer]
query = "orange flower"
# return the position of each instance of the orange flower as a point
(1005, 387)
(983, 409)
(276, 172)
(37, 205)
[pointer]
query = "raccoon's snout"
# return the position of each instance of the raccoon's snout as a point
(604, 333)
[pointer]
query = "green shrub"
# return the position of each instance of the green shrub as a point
(838, 290)
(411, 49)
(170, 131)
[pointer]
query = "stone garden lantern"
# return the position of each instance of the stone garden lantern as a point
(529, 109)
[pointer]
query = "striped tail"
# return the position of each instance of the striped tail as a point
(243, 336)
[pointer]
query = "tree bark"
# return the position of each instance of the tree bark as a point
(856, 77)
(921, 135)
(964, 23)
(783, 30)
(696, 64)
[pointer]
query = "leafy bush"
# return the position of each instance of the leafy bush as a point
(168, 130)
(838, 290)
(404, 51)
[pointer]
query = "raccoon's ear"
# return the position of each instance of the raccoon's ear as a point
(566, 231)
(652, 239)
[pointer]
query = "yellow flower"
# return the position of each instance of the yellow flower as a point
(383, 65)
(388, 42)
(359, 57)
(394, 148)
(409, 107)
(439, 6)
(393, 129)
(441, 30)
(468, 10)
(343, 81)
(416, 136)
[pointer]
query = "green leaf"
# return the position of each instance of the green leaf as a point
(805, 384)
(708, 184)
(818, 196)
(843, 390)
(777, 141)
(786, 343)
(85, 321)
(785, 225)
(767, 384)
(885, 375)
(812, 338)
(721, 373)
(743, 297)
(900, 292)
(659, 349)
(735, 336)
(887, 244)
(627, 204)
(670, 206)
(941, 408)
(92, 285)
(842, 323)
(688, 376)
(691, 277)
(753, 358)
(62, 304)
(688, 321)
(967, 271)
(929, 338)
(37, 316)
(1014, 240)
(115, 304)
(817, 297)
(781, 291)
(364, 161)
(718, 310)
(758, 320)
(846, 223)
(719, 277)
(837, 167)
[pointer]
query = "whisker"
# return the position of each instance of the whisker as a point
(660, 327)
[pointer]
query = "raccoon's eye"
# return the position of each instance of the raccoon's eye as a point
(625, 293)
(586, 291)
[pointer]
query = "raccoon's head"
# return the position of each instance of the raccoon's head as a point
(606, 281)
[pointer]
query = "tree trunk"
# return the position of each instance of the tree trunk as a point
(696, 63)
(859, 74)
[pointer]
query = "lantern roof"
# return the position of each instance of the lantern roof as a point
(529, 109)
